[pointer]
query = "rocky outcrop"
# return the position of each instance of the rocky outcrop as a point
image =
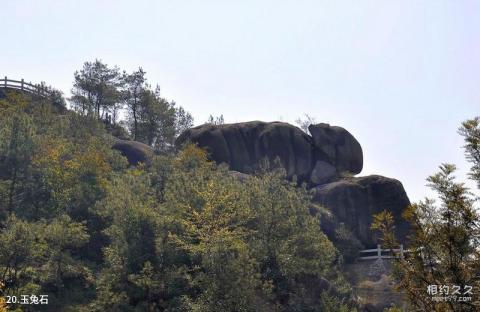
(330, 152)
(338, 147)
(134, 151)
(326, 160)
(354, 201)
(244, 145)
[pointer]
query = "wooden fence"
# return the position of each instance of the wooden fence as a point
(379, 253)
(37, 89)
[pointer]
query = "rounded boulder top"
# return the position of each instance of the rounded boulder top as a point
(317, 159)
(135, 152)
(338, 146)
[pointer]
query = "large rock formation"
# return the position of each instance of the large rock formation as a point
(354, 201)
(326, 160)
(134, 151)
(330, 152)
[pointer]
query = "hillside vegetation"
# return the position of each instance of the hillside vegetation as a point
(94, 234)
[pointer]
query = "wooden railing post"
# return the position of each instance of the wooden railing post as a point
(40, 89)
(401, 251)
(379, 251)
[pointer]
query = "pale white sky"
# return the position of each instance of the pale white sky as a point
(399, 75)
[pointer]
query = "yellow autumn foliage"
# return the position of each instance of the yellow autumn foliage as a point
(63, 165)
(3, 304)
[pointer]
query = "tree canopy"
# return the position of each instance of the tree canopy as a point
(120, 98)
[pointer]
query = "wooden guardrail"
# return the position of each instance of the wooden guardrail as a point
(37, 89)
(379, 253)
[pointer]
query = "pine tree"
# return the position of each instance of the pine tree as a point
(96, 90)
(444, 244)
(135, 87)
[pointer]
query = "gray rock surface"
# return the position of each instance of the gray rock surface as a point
(354, 201)
(337, 146)
(322, 172)
(134, 151)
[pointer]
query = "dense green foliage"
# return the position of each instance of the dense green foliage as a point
(445, 237)
(470, 130)
(81, 226)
